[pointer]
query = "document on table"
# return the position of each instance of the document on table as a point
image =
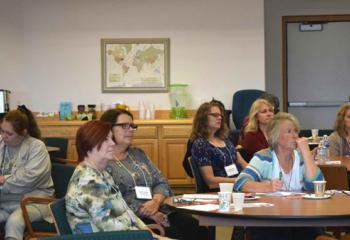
(284, 194)
(204, 207)
(200, 196)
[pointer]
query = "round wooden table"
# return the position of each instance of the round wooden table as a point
(285, 211)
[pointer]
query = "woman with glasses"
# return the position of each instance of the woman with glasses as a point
(142, 185)
(25, 170)
(93, 201)
(255, 133)
(214, 154)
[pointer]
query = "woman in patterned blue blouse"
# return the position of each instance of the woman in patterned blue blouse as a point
(141, 183)
(215, 155)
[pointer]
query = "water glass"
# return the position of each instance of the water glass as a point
(238, 200)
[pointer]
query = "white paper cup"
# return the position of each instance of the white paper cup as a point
(238, 200)
(314, 133)
(226, 187)
(319, 188)
(224, 201)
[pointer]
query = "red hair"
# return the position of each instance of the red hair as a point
(90, 135)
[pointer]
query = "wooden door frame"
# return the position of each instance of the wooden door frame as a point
(296, 19)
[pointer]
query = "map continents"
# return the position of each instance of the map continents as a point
(135, 65)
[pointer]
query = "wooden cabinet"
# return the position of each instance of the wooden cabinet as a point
(164, 141)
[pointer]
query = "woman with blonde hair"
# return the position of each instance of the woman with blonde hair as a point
(339, 140)
(287, 165)
(255, 134)
(211, 150)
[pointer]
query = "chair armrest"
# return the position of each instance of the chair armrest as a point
(157, 227)
(30, 199)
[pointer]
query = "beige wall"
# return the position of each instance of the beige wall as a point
(52, 53)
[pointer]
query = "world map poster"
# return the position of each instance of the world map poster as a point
(135, 65)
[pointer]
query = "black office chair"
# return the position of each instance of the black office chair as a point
(201, 186)
(61, 143)
(241, 102)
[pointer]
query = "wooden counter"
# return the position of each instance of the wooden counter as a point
(163, 140)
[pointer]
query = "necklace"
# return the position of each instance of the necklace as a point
(120, 164)
(283, 176)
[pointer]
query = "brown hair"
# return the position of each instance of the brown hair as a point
(22, 119)
(253, 124)
(339, 126)
(111, 115)
(90, 135)
(200, 122)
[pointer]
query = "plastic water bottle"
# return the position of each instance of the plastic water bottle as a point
(142, 110)
(326, 147)
(321, 153)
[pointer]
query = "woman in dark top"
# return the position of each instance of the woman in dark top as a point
(255, 133)
(217, 158)
(142, 185)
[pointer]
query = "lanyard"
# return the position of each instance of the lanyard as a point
(119, 163)
(282, 176)
(223, 154)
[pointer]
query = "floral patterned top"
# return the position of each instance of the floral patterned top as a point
(206, 154)
(137, 169)
(95, 204)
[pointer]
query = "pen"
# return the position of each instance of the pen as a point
(346, 192)
(280, 177)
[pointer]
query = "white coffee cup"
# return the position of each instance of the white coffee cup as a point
(224, 201)
(319, 187)
(314, 133)
(238, 200)
(226, 187)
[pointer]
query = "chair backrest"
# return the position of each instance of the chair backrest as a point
(61, 174)
(58, 211)
(61, 143)
(115, 235)
(201, 186)
(336, 176)
(241, 102)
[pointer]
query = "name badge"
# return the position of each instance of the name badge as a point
(231, 170)
(143, 192)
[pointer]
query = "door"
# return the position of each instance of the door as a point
(316, 68)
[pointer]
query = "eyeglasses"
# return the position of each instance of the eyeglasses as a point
(126, 125)
(216, 115)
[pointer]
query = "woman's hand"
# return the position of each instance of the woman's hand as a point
(2, 179)
(303, 144)
(161, 219)
(276, 185)
(149, 208)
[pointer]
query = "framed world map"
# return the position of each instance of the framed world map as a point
(135, 65)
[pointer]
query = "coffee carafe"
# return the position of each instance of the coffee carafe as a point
(4, 101)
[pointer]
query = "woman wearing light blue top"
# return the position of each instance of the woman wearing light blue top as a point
(286, 166)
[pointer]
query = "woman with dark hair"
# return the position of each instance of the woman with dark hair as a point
(142, 185)
(93, 201)
(25, 170)
(215, 155)
(339, 140)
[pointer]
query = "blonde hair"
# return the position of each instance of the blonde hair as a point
(253, 124)
(273, 128)
(339, 125)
